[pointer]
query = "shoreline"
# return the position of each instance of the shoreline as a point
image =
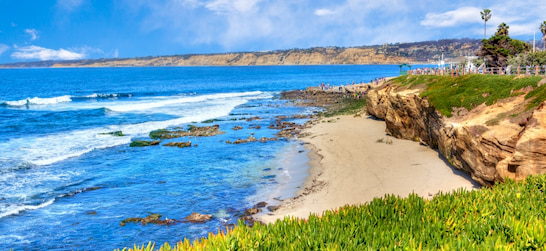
(353, 161)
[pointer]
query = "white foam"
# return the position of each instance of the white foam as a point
(40, 101)
(11, 210)
(101, 95)
(52, 148)
(11, 238)
(158, 102)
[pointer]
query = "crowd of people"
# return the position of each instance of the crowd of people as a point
(357, 90)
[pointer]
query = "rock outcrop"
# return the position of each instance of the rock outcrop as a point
(198, 218)
(490, 152)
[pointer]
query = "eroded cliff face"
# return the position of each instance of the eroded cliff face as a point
(296, 57)
(484, 142)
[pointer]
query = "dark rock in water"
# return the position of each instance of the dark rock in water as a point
(301, 116)
(142, 143)
(236, 128)
(91, 212)
(161, 182)
(152, 218)
(261, 204)
(248, 219)
(251, 139)
(252, 211)
(273, 208)
(256, 127)
(92, 188)
(267, 169)
(211, 121)
(198, 218)
(179, 144)
(253, 118)
(195, 131)
(130, 220)
(116, 133)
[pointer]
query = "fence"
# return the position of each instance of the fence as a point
(525, 70)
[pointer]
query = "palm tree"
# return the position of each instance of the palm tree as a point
(486, 15)
(543, 30)
(503, 30)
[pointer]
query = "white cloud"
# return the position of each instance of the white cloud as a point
(33, 34)
(523, 29)
(3, 48)
(453, 18)
(36, 52)
(243, 25)
(324, 12)
(69, 5)
(522, 16)
(228, 6)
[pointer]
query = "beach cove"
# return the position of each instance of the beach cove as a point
(353, 161)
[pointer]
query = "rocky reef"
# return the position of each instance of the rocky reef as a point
(195, 131)
(150, 219)
(492, 143)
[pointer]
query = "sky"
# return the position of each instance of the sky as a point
(36, 30)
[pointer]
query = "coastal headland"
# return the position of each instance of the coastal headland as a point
(401, 145)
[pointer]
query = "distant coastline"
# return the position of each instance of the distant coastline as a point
(413, 53)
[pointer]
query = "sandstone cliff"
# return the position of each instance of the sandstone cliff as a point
(317, 56)
(417, 52)
(491, 143)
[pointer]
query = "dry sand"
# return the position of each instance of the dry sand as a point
(354, 161)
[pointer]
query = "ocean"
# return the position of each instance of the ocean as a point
(67, 182)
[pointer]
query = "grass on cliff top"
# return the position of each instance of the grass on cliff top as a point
(508, 216)
(446, 92)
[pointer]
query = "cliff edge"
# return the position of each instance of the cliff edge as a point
(503, 139)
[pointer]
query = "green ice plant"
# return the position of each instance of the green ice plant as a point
(507, 216)
(446, 92)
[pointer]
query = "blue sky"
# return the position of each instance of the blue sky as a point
(34, 30)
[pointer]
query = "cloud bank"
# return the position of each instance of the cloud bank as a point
(36, 52)
(452, 18)
(244, 25)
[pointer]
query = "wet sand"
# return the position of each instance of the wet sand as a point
(354, 161)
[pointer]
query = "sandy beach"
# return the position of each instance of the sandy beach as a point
(354, 161)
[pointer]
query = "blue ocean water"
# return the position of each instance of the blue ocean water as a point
(66, 184)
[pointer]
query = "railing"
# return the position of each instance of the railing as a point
(520, 70)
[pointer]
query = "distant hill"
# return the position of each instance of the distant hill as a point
(418, 52)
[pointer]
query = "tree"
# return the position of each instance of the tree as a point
(497, 49)
(543, 30)
(486, 15)
(502, 30)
